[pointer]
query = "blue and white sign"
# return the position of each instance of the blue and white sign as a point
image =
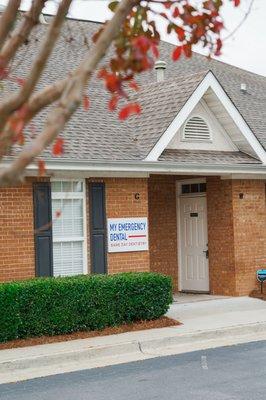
(127, 234)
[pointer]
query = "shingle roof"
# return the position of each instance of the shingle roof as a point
(207, 157)
(160, 104)
(97, 134)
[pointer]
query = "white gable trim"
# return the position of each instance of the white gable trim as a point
(218, 124)
(208, 82)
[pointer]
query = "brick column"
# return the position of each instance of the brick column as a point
(249, 232)
(221, 236)
(121, 202)
(237, 234)
(163, 225)
(17, 257)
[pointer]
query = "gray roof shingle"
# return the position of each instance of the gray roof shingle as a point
(97, 134)
(207, 157)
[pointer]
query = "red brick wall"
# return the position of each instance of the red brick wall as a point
(236, 229)
(121, 202)
(249, 232)
(163, 225)
(16, 232)
(237, 234)
(220, 236)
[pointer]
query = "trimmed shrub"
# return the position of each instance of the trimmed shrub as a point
(51, 306)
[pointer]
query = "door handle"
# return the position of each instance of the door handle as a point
(206, 253)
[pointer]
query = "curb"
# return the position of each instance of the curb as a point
(85, 357)
(202, 336)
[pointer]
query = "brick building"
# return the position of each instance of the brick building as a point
(178, 190)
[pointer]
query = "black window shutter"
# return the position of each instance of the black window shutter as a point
(98, 228)
(43, 228)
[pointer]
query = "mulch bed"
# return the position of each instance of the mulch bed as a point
(137, 326)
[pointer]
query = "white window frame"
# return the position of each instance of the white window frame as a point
(74, 195)
(190, 182)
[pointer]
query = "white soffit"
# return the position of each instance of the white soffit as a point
(212, 92)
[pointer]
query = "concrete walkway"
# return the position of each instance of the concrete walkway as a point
(206, 323)
(204, 312)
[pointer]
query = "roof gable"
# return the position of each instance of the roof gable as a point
(247, 142)
(202, 131)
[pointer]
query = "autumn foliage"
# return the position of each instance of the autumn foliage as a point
(137, 45)
(134, 36)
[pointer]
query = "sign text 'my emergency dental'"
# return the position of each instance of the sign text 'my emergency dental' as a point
(127, 234)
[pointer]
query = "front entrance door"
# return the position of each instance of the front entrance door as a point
(194, 244)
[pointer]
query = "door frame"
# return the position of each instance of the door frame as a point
(179, 194)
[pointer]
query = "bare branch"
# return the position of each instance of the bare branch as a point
(30, 19)
(16, 101)
(70, 99)
(241, 22)
(37, 102)
(44, 98)
(7, 19)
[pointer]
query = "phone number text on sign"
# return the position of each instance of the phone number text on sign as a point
(127, 234)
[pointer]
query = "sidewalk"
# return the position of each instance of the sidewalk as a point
(207, 322)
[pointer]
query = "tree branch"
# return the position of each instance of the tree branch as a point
(71, 97)
(16, 101)
(30, 19)
(241, 22)
(7, 19)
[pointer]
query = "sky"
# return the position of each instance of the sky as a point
(245, 49)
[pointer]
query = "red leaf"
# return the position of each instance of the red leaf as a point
(58, 147)
(237, 2)
(199, 31)
(155, 50)
(58, 213)
(133, 85)
(86, 102)
(167, 4)
(113, 103)
(17, 126)
(146, 63)
(187, 50)
(102, 74)
(130, 109)
(176, 53)
(219, 45)
(41, 167)
(112, 83)
(176, 12)
(142, 43)
(180, 33)
(218, 26)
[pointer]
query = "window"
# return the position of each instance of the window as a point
(188, 188)
(68, 201)
(196, 129)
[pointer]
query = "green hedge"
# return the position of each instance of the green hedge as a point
(51, 306)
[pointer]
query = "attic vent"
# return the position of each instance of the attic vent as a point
(196, 129)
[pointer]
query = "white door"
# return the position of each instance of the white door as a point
(194, 244)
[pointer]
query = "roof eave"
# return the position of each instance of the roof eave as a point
(148, 167)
